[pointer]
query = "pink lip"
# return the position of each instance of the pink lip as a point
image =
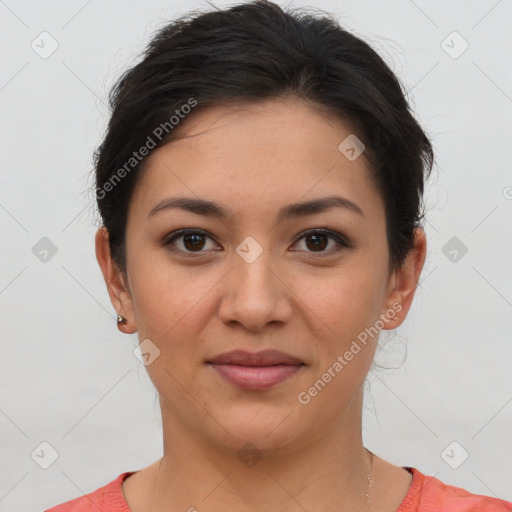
(262, 358)
(256, 371)
(256, 377)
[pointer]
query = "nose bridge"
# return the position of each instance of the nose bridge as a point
(252, 261)
(255, 296)
(253, 276)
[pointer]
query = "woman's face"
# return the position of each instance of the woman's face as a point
(256, 279)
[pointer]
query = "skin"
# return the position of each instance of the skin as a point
(309, 302)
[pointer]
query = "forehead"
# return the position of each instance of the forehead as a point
(267, 153)
(274, 126)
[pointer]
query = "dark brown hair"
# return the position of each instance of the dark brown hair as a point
(251, 52)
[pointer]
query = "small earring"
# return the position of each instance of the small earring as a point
(121, 320)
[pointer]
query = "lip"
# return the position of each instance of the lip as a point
(262, 358)
(256, 371)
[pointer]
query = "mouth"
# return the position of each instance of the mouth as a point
(256, 371)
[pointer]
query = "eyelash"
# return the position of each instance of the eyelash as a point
(341, 241)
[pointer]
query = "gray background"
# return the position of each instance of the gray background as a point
(69, 377)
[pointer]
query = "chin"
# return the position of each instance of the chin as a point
(267, 428)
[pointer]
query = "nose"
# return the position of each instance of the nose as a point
(255, 295)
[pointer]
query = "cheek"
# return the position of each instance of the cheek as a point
(346, 301)
(171, 305)
(344, 310)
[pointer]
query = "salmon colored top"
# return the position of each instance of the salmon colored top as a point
(426, 494)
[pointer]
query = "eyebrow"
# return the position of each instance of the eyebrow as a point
(211, 209)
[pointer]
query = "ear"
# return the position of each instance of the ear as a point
(115, 280)
(403, 282)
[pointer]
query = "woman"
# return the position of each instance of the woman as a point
(260, 187)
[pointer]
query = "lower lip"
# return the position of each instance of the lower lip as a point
(256, 377)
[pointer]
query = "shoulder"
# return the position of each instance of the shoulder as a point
(429, 494)
(108, 498)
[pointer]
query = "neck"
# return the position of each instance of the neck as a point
(328, 472)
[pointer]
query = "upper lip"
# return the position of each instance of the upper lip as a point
(262, 358)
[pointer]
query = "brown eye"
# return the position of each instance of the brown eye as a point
(188, 241)
(317, 240)
(193, 241)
